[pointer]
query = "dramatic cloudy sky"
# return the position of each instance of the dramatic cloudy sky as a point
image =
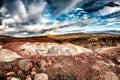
(21, 18)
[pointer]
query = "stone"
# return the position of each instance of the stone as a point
(1, 47)
(7, 55)
(110, 76)
(14, 78)
(25, 64)
(100, 65)
(33, 73)
(41, 76)
(118, 60)
(28, 77)
(43, 64)
(10, 73)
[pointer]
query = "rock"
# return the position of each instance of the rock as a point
(43, 65)
(13, 78)
(7, 55)
(100, 65)
(33, 73)
(1, 46)
(20, 72)
(28, 77)
(51, 49)
(118, 60)
(110, 76)
(25, 64)
(41, 76)
(108, 50)
(10, 73)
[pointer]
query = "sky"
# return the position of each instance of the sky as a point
(24, 18)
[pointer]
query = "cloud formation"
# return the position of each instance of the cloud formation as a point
(36, 17)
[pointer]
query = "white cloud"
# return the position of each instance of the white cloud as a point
(8, 30)
(67, 5)
(44, 25)
(22, 12)
(37, 8)
(108, 10)
(117, 2)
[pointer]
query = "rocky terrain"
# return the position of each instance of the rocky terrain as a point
(60, 57)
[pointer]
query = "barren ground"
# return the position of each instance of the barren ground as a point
(65, 57)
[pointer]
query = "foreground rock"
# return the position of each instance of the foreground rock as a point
(41, 76)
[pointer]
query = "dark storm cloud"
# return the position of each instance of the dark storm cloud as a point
(95, 5)
(90, 6)
(60, 6)
(63, 5)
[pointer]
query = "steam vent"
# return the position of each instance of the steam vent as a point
(59, 39)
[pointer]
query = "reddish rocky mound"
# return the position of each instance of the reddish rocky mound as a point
(60, 58)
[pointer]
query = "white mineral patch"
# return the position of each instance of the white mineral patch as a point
(79, 49)
(52, 49)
